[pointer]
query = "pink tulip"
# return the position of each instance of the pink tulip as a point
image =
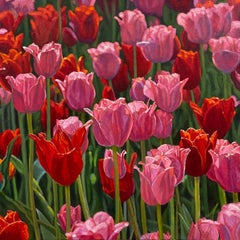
(155, 236)
(150, 7)
(225, 169)
(128, 20)
(163, 124)
(46, 60)
(225, 53)
(235, 30)
(28, 92)
(144, 121)
(78, 90)
(70, 125)
(204, 229)
(197, 24)
(229, 219)
(106, 60)
(112, 122)
(5, 96)
(25, 7)
(166, 92)
(75, 216)
(100, 226)
(136, 91)
(158, 43)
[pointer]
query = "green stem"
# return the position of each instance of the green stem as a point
(159, 68)
(83, 200)
(30, 180)
(14, 186)
(197, 197)
(26, 31)
(178, 205)
(172, 218)
(3, 107)
(116, 183)
(134, 62)
(159, 220)
(48, 109)
(222, 196)
(68, 204)
(235, 197)
(133, 219)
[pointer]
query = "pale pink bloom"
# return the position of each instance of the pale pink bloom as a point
(144, 121)
(28, 92)
(166, 92)
(225, 169)
(46, 60)
(136, 90)
(158, 43)
(235, 30)
(5, 95)
(23, 6)
(106, 60)
(225, 53)
(204, 229)
(70, 125)
(78, 90)
(229, 219)
(62, 216)
(84, 2)
(163, 124)
(155, 236)
(197, 24)
(150, 7)
(128, 20)
(100, 226)
(112, 122)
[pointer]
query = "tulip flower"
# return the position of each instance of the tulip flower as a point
(154, 236)
(61, 157)
(225, 168)
(78, 90)
(46, 60)
(215, 115)
(23, 6)
(235, 9)
(5, 96)
(126, 180)
(158, 43)
(10, 20)
(225, 53)
(128, 20)
(12, 227)
(100, 226)
(179, 6)
(234, 31)
(108, 93)
(199, 159)
(136, 90)
(186, 43)
(187, 95)
(235, 77)
(106, 60)
(112, 122)
(142, 114)
(166, 92)
(28, 92)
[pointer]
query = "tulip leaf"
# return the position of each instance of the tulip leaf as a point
(185, 221)
(38, 171)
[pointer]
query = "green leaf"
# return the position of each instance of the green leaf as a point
(38, 171)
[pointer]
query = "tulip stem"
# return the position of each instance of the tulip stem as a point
(172, 218)
(116, 183)
(222, 196)
(235, 197)
(68, 204)
(197, 197)
(83, 200)
(134, 61)
(159, 220)
(159, 68)
(30, 178)
(48, 109)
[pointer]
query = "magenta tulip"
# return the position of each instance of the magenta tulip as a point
(155, 236)
(144, 121)
(166, 92)
(158, 43)
(78, 90)
(112, 122)
(136, 90)
(128, 20)
(234, 32)
(46, 60)
(106, 60)
(28, 92)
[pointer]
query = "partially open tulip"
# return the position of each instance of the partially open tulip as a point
(136, 90)
(126, 179)
(78, 90)
(10, 21)
(47, 60)
(166, 92)
(215, 114)
(61, 157)
(112, 122)
(158, 43)
(28, 92)
(199, 159)
(106, 60)
(128, 20)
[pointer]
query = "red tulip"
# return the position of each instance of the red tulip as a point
(180, 6)
(10, 21)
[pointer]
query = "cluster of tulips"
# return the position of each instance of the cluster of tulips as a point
(119, 119)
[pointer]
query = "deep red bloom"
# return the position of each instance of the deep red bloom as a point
(61, 157)
(85, 22)
(10, 21)
(188, 65)
(126, 183)
(186, 43)
(180, 6)
(108, 93)
(215, 115)
(187, 94)
(12, 227)
(143, 65)
(199, 159)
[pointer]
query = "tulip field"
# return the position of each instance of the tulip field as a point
(119, 119)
